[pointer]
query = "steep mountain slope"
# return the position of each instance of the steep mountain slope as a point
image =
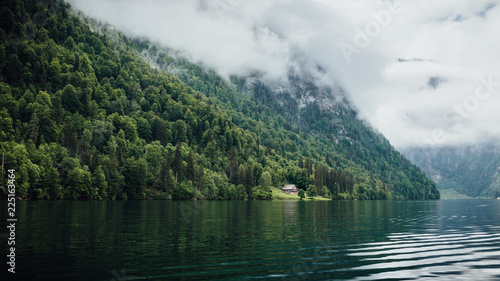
(471, 170)
(309, 108)
(84, 116)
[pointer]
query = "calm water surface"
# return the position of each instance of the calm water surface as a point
(238, 240)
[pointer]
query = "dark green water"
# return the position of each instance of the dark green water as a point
(237, 240)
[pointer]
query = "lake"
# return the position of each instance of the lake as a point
(256, 240)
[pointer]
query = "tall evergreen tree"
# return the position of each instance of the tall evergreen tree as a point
(233, 167)
(177, 165)
(70, 137)
(163, 174)
(34, 127)
(308, 166)
(249, 181)
(201, 177)
(94, 162)
(190, 174)
(166, 180)
(98, 105)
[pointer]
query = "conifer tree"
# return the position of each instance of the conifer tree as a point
(190, 174)
(249, 183)
(233, 167)
(177, 165)
(201, 177)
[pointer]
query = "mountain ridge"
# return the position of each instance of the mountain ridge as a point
(90, 119)
(472, 170)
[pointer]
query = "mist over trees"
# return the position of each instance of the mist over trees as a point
(83, 116)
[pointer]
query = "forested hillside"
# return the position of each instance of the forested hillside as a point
(83, 115)
(472, 170)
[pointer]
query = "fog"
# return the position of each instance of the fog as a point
(421, 72)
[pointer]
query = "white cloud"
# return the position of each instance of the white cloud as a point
(456, 41)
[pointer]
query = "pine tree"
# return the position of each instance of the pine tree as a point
(76, 65)
(163, 174)
(177, 165)
(233, 167)
(116, 180)
(94, 162)
(308, 166)
(241, 176)
(99, 183)
(190, 167)
(84, 151)
(57, 112)
(34, 127)
(50, 180)
(166, 180)
(170, 182)
(249, 184)
(135, 181)
(335, 191)
(70, 137)
(168, 161)
(258, 146)
(201, 177)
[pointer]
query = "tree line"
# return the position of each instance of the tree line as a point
(84, 117)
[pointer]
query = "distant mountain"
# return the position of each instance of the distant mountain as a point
(472, 170)
(88, 113)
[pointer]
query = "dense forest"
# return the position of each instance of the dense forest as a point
(85, 115)
(472, 170)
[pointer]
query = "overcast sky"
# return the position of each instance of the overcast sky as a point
(420, 71)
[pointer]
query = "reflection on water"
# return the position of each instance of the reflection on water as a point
(351, 240)
(468, 255)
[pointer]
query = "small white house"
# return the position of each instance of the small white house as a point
(290, 188)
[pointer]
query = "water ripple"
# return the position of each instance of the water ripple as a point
(454, 254)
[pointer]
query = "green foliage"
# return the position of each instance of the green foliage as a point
(83, 116)
(183, 191)
(311, 191)
(325, 192)
(135, 180)
(259, 193)
(266, 181)
(301, 194)
(79, 184)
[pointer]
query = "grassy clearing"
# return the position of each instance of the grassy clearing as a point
(279, 194)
